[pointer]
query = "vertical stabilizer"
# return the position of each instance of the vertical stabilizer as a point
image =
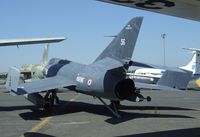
(194, 64)
(44, 60)
(122, 46)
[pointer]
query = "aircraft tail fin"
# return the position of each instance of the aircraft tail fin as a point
(45, 55)
(122, 46)
(194, 64)
(13, 80)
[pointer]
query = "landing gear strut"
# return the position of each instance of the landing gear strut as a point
(51, 99)
(113, 109)
(115, 103)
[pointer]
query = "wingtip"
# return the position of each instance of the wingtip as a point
(136, 19)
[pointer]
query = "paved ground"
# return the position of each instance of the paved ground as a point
(168, 114)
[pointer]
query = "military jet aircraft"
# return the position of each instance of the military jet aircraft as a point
(188, 9)
(104, 78)
(32, 72)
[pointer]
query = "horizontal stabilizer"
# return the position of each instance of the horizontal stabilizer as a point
(192, 49)
(16, 42)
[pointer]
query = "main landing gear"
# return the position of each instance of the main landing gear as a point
(51, 99)
(115, 105)
(113, 109)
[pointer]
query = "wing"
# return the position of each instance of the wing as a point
(16, 42)
(175, 79)
(148, 65)
(43, 85)
(172, 77)
(13, 80)
(189, 9)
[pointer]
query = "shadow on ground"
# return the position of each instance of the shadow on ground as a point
(67, 107)
(190, 132)
(34, 134)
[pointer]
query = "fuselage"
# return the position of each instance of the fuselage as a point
(100, 78)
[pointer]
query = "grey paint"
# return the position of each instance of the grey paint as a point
(172, 77)
(175, 79)
(106, 77)
(188, 9)
(122, 46)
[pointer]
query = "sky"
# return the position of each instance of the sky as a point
(85, 25)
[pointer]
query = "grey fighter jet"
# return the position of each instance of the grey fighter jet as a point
(104, 78)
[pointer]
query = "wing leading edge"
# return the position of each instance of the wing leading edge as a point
(44, 85)
(16, 42)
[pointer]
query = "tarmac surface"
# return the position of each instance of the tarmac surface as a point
(169, 114)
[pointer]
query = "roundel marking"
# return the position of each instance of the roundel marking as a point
(89, 82)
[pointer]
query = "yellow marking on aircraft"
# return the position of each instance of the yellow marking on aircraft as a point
(45, 121)
(198, 82)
